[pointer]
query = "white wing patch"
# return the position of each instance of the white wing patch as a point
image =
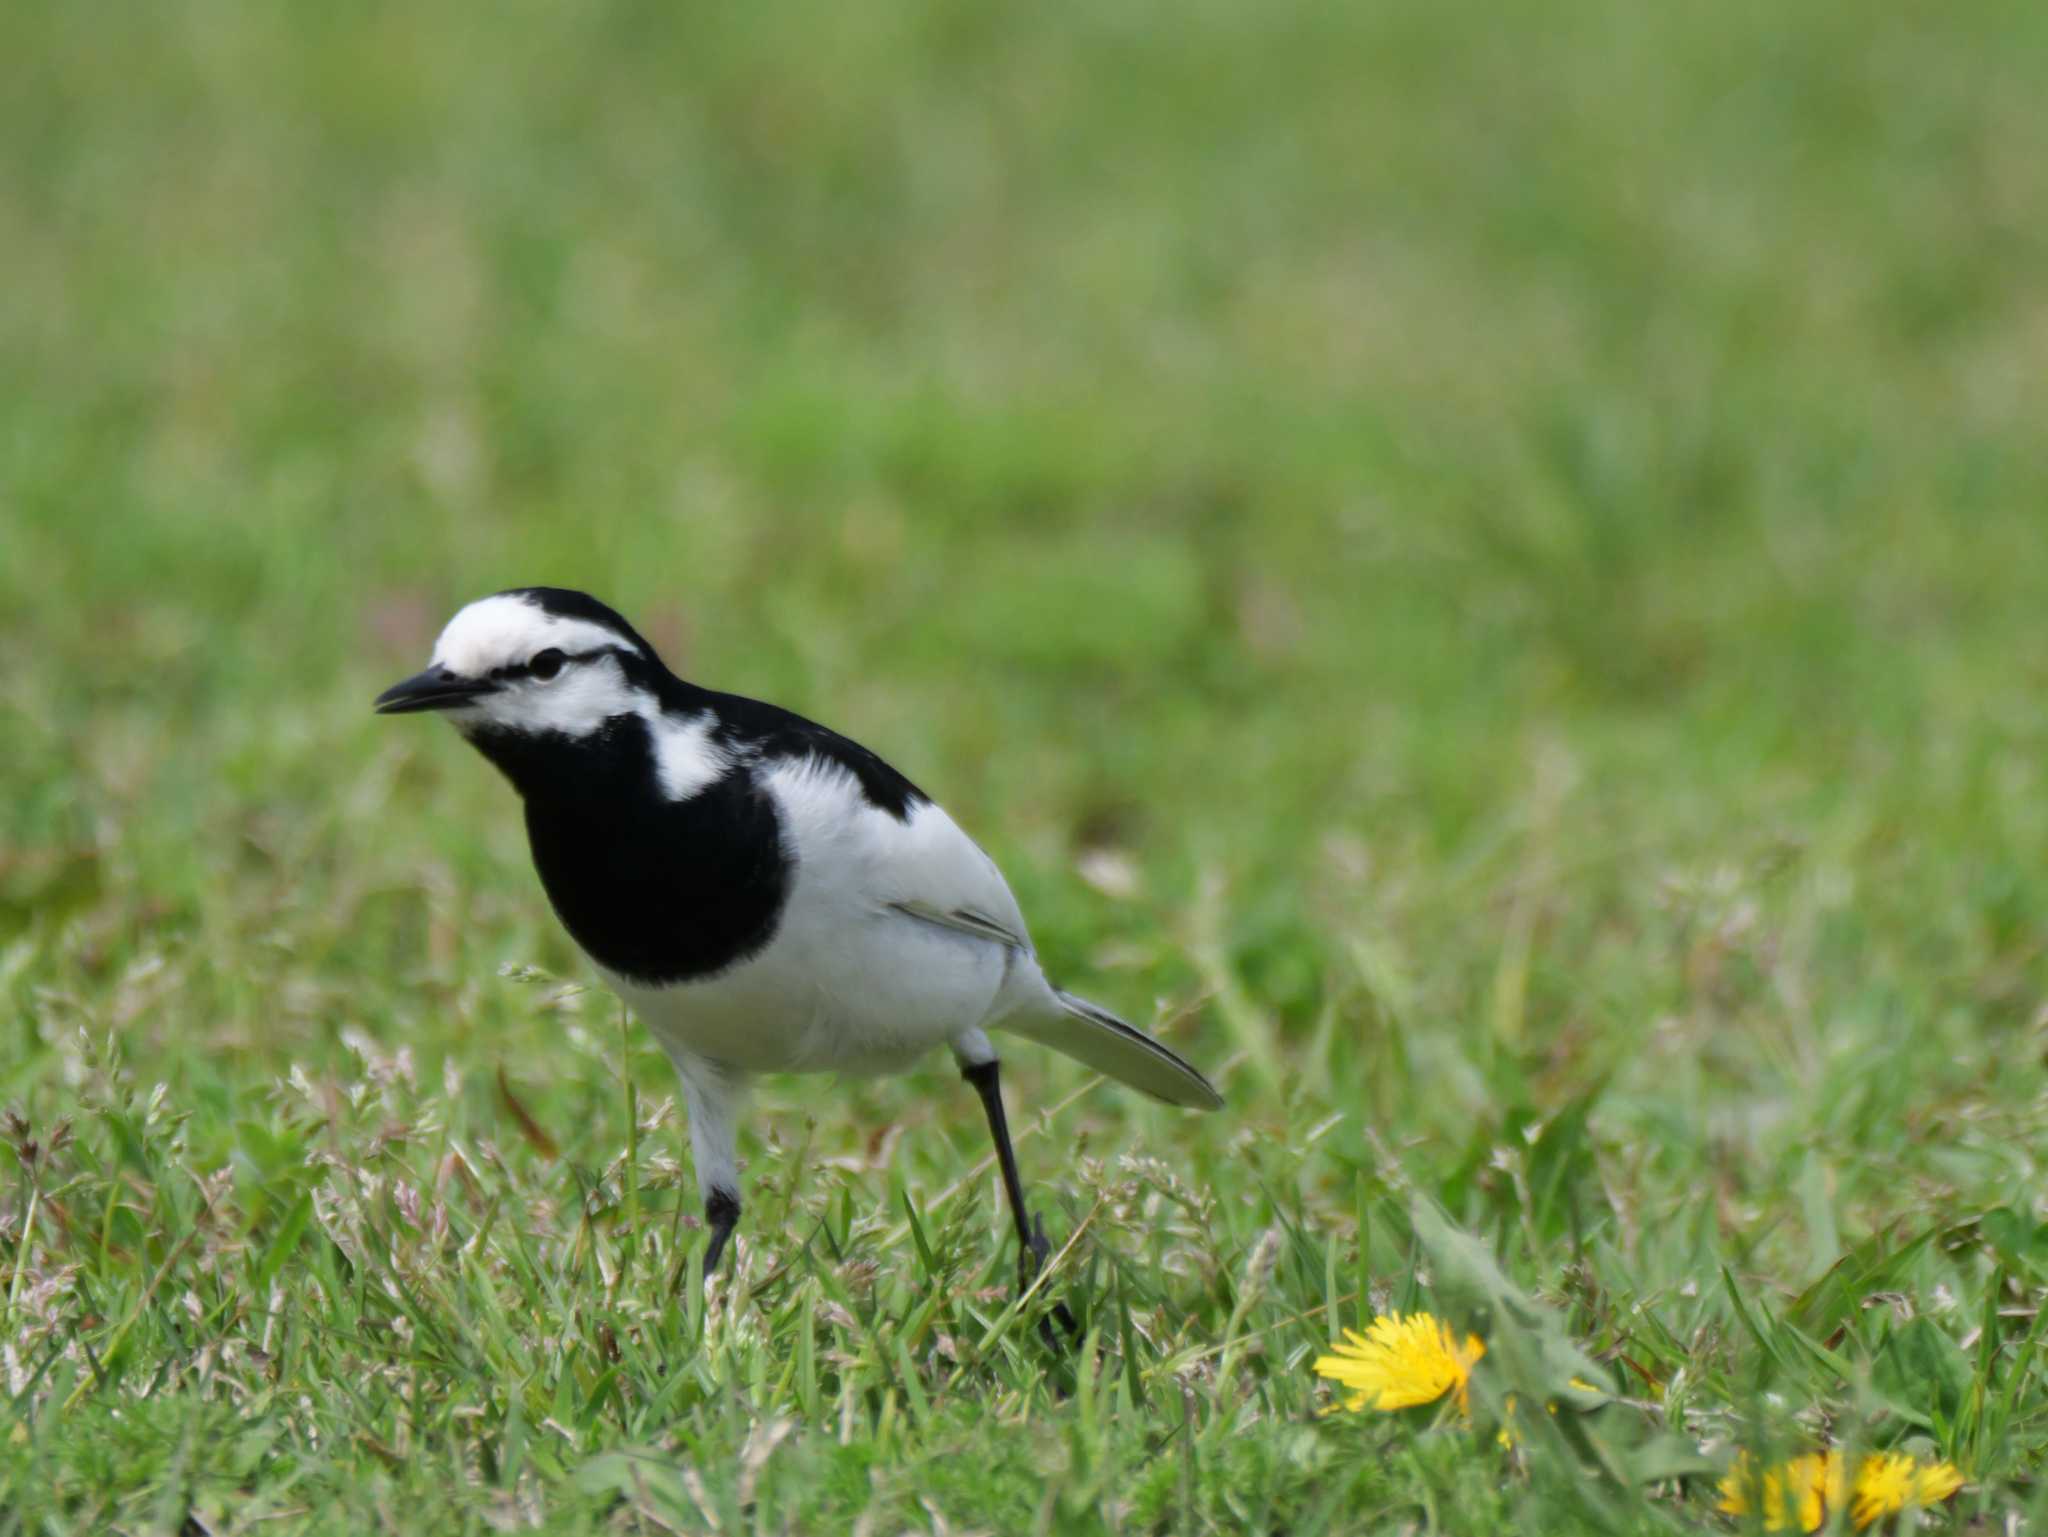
(939, 874)
(924, 867)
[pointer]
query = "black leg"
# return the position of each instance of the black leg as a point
(722, 1212)
(986, 1078)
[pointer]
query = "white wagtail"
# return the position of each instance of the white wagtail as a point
(767, 895)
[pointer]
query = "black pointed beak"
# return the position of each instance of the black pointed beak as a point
(435, 689)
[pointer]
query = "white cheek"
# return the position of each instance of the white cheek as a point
(574, 704)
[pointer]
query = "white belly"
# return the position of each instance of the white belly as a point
(848, 992)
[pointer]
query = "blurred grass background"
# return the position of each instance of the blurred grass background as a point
(1482, 564)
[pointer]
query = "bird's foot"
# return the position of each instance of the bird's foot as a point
(1029, 1263)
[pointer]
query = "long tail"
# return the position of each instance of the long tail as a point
(1091, 1034)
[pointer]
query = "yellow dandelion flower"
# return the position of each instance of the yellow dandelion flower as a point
(1796, 1496)
(1400, 1362)
(1890, 1481)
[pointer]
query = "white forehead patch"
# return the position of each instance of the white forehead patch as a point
(506, 630)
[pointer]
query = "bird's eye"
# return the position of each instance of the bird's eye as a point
(546, 664)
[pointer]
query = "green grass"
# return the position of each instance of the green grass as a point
(1511, 546)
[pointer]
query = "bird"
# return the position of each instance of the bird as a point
(766, 895)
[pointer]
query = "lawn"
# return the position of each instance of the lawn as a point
(1482, 572)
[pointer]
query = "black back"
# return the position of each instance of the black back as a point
(770, 733)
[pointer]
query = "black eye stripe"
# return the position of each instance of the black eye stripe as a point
(516, 670)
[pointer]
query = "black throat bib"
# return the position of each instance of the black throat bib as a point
(656, 890)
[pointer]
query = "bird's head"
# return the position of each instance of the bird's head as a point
(533, 662)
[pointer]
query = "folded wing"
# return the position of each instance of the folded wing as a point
(945, 880)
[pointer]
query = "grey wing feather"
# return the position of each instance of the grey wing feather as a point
(962, 920)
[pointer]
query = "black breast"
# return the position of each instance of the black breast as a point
(657, 890)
